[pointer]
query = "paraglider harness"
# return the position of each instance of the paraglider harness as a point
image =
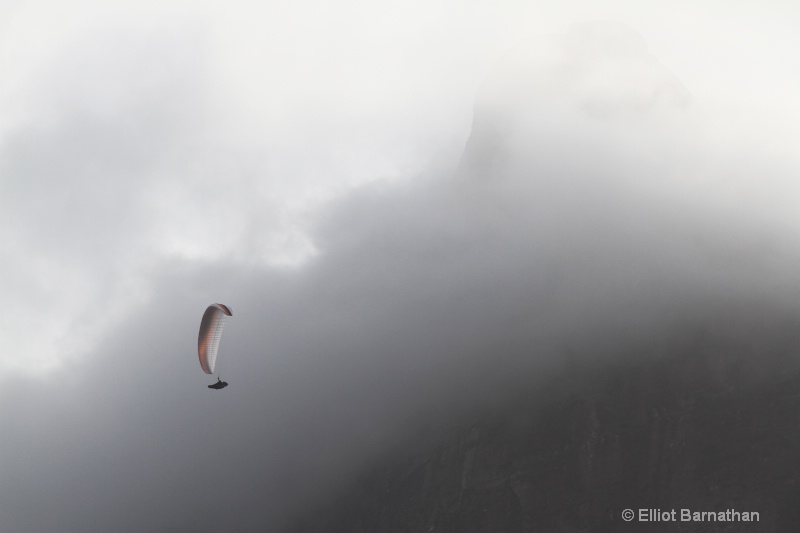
(219, 384)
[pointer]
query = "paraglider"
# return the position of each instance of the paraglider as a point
(208, 340)
(219, 384)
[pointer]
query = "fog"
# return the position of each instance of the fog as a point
(596, 210)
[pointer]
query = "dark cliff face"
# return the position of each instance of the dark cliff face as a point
(647, 359)
(701, 427)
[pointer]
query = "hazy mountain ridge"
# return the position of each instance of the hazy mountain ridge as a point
(697, 430)
(670, 378)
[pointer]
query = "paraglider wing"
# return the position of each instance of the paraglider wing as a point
(210, 334)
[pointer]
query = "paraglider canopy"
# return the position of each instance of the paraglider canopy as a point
(210, 334)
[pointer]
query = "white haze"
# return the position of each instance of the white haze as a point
(304, 166)
(132, 133)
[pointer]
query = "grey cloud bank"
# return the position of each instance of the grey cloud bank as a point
(572, 230)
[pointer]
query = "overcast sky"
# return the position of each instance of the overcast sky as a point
(406, 205)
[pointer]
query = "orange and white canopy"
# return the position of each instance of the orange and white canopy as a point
(210, 334)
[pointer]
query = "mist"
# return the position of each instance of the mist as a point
(592, 218)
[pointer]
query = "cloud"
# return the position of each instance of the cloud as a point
(570, 228)
(139, 135)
